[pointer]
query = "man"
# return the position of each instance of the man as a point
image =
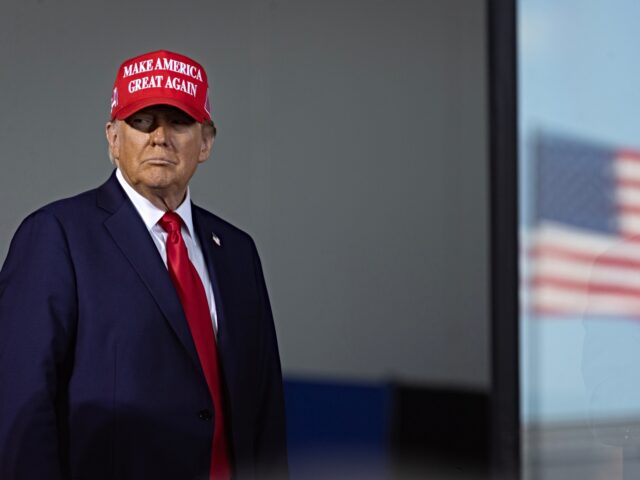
(136, 336)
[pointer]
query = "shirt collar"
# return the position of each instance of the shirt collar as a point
(150, 213)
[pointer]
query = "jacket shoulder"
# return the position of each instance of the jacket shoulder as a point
(71, 205)
(219, 224)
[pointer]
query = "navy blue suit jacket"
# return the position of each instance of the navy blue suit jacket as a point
(99, 375)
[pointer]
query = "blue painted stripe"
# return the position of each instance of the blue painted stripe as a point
(338, 427)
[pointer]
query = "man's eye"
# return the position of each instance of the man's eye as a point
(181, 121)
(141, 122)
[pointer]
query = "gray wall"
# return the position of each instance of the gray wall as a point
(352, 146)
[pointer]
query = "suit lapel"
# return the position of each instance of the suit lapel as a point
(130, 234)
(219, 261)
(214, 256)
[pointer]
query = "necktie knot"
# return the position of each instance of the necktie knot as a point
(170, 222)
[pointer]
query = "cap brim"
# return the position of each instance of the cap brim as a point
(148, 102)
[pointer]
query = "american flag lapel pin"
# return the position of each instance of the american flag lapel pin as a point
(215, 239)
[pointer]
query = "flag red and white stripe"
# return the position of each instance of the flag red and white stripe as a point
(580, 271)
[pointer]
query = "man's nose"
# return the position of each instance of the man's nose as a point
(159, 136)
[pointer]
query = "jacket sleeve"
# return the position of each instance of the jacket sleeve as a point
(271, 439)
(38, 312)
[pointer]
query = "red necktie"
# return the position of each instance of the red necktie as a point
(194, 303)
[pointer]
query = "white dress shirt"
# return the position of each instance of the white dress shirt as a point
(151, 214)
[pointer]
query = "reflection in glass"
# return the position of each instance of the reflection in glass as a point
(579, 153)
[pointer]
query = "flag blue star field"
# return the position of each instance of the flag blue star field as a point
(585, 243)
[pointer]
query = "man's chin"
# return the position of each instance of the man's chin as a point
(158, 176)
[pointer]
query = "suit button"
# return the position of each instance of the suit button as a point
(204, 415)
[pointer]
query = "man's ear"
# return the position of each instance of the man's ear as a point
(205, 148)
(111, 132)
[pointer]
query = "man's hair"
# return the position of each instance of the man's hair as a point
(208, 128)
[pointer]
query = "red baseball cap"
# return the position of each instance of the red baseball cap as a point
(161, 78)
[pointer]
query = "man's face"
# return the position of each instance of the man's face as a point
(158, 148)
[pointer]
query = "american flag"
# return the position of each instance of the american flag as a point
(585, 243)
